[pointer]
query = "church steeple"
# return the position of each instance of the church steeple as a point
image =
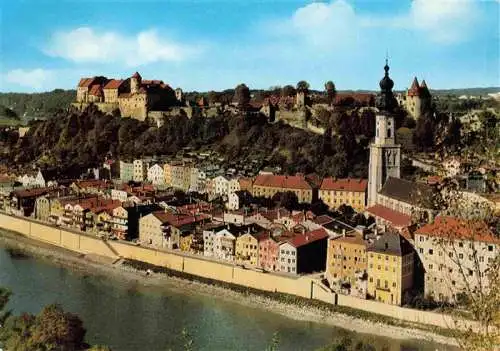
(386, 100)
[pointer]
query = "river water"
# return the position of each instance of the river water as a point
(129, 316)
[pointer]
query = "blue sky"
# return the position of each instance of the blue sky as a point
(202, 44)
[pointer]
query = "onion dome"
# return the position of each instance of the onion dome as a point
(386, 100)
(386, 83)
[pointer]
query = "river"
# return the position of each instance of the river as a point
(130, 316)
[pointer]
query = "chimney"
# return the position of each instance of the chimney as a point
(375, 230)
(343, 233)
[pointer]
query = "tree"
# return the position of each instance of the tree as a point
(286, 199)
(303, 86)
(4, 299)
(424, 135)
(242, 95)
(331, 92)
(404, 136)
(51, 329)
(288, 90)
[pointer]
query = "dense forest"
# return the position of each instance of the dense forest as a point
(37, 105)
(74, 140)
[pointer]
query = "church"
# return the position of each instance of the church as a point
(392, 200)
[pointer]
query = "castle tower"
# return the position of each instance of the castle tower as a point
(135, 83)
(418, 98)
(385, 154)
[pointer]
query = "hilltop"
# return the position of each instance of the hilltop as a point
(74, 141)
(28, 106)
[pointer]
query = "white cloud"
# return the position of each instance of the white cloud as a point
(326, 23)
(86, 45)
(443, 20)
(36, 79)
(336, 23)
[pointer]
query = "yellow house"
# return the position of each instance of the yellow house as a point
(103, 221)
(390, 268)
(167, 171)
(350, 192)
(267, 185)
(247, 249)
(346, 258)
(185, 242)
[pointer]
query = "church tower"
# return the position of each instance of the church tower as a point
(385, 154)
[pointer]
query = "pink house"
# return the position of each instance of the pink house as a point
(268, 252)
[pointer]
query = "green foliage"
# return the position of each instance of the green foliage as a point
(73, 141)
(8, 113)
(39, 105)
(51, 330)
(303, 86)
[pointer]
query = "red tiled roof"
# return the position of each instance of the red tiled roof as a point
(323, 219)
(397, 219)
(282, 181)
(86, 82)
(92, 183)
(114, 84)
(273, 214)
(309, 237)
(32, 192)
(347, 184)
(178, 220)
(455, 228)
(364, 98)
(414, 89)
(95, 90)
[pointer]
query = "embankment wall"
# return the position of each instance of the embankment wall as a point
(203, 267)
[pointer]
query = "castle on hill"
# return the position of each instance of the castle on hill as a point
(133, 97)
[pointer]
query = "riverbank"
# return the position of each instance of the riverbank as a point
(312, 312)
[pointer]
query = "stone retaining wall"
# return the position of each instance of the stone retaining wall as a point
(303, 286)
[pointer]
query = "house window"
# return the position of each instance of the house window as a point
(421, 250)
(431, 251)
(490, 247)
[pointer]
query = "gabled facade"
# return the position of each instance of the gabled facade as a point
(455, 255)
(247, 249)
(390, 268)
(156, 175)
(224, 245)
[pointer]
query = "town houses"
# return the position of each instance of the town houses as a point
(382, 238)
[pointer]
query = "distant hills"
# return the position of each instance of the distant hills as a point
(27, 106)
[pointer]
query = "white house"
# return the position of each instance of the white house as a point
(233, 201)
(33, 180)
(233, 185)
(156, 175)
(224, 243)
(287, 259)
(220, 185)
(117, 194)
